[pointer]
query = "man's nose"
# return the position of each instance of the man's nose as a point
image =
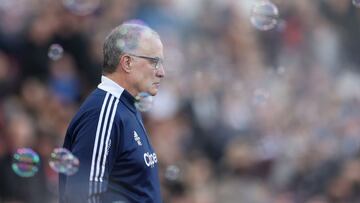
(160, 72)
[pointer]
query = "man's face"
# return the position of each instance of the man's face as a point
(147, 76)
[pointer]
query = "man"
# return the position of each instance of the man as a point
(117, 161)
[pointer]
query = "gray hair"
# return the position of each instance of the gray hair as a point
(124, 38)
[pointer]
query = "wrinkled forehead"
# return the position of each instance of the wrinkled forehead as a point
(149, 43)
(137, 38)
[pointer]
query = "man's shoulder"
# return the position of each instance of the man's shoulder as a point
(97, 96)
(99, 100)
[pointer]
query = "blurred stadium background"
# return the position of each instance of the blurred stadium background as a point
(243, 116)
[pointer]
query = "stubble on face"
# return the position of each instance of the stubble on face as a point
(149, 45)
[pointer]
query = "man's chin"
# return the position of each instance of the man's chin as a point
(153, 92)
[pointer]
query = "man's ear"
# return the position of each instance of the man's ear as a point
(125, 62)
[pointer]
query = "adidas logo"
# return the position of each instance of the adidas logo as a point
(137, 139)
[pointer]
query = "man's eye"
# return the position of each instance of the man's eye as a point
(154, 61)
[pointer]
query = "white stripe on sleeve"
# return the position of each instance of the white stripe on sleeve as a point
(102, 137)
(97, 137)
(105, 154)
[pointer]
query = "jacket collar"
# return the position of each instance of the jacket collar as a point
(115, 89)
(110, 86)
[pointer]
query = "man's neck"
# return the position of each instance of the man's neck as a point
(121, 80)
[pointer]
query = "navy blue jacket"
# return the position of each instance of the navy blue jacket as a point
(117, 162)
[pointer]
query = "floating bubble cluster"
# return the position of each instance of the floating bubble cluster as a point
(55, 52)
(144, 101)
(264, 15)
(25, 162)
(63, 161)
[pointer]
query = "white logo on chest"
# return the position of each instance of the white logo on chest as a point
(150, 159)
(137, 139)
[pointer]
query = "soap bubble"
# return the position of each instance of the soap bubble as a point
(81, 7)
(172, 173)
(55, 52)
(260, 97)
(281, 70)
(144, 101)
(356, 3)
(63, 161)
(264, 15)
(25, 162)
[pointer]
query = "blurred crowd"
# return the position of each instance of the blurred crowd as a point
(243, 116)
